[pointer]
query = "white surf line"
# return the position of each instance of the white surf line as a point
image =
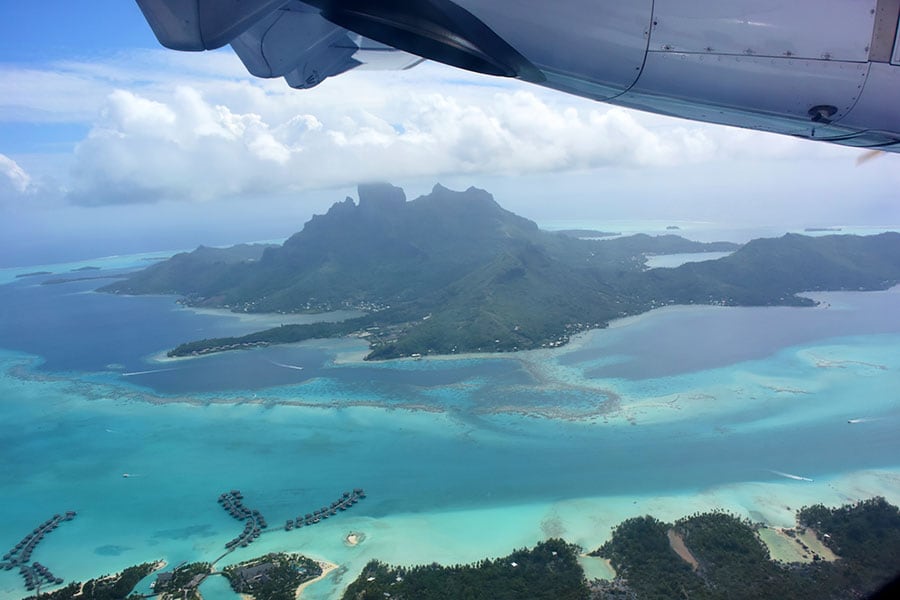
(132, 373)
(278, 364)
(789, 476)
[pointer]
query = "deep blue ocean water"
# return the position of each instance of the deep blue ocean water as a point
(460, 458)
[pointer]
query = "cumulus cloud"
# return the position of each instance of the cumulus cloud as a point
(171, 126)
(15, 175)
(14, 181)
(188, 146)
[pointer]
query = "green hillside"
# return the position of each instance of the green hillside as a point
(455, 272)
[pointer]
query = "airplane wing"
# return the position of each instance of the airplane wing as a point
(825, 70)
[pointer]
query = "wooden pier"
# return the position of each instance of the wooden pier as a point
(255, 524)
(34, 574)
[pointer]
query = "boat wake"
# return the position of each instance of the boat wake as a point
(286, 366)
(864, 420)
(133, 373)
(790, 476)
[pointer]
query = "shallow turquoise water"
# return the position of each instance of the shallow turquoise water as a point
(671, 412)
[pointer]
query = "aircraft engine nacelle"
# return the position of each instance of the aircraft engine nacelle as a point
(819, 69)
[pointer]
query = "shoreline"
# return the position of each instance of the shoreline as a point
(273, 319)
(597, 401)
(576, 341)
(327, 567)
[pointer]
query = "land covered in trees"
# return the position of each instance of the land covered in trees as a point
(732, 562)
(108, 587)
(705, 556)
(274, 576)
(708, 556)
(182, 582)
(454, 272)
(549, 571)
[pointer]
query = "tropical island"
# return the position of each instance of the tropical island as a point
(708, 556)
(275, 576)
(453, 272)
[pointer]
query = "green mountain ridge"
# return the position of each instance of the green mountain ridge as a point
(455, 272)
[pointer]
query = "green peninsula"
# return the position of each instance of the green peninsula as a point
(454, 272)
(704, 556)
(549, 571)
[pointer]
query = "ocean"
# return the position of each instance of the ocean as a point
(754, 410)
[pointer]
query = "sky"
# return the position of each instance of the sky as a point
(110, 144)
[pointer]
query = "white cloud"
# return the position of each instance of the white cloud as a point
(196, 145)
(170, 126)
(14, 181)
(13, 176)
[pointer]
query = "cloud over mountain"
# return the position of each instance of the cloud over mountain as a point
(189, 146)
(160, 126)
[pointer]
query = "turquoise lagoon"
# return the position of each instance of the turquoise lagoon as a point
(677, 410)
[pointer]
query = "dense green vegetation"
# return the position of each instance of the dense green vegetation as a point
(731, 564)
(108, 587)
(454, 272)
(866, 535)
(273, 576)
(277, 335)
(734, 563)
(549, 571)
(183, 582)
(587, 233)
(640, 553)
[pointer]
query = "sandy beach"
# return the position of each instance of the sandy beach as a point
(354, 538)
(327, 567)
